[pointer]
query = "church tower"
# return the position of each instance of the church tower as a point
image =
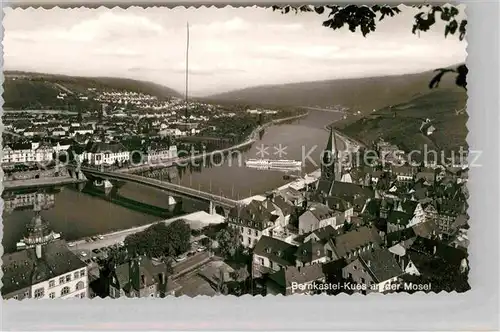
(331, 168)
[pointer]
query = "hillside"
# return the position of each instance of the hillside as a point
(401, 123)
(363, 94)
(31, 90)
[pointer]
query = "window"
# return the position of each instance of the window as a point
(80, 285)
(82, 273)
(52, 283)
(76, 275)
(256, 233)
(355, 267)
(52, 295)
(61, 280)
(27, 294)
(68, 278)
(65, 291)
(39, 293)
(362, 280)
(249, 231)
(15, 297)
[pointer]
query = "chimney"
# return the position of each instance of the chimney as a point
(38, 251)
(368, 263)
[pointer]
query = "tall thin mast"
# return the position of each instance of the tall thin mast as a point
(187, 70)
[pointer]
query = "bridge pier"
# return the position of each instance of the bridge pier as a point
(211, 208)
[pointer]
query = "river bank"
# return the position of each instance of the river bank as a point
(252, 138)
(43, 182)
(196, 220)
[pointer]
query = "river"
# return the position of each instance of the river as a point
(79, 213)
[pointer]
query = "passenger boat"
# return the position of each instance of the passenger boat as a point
(281, 163)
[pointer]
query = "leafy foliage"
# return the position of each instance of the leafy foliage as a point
(365, 18)
(160, 240)
(461, 79)
(229, 242)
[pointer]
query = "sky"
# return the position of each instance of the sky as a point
(230, 48)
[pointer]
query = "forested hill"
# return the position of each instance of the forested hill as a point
(31, 90)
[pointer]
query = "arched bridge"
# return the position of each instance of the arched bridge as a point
(213, 200)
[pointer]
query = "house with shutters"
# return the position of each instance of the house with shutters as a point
(256, 219)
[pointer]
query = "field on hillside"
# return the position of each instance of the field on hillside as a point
(400, 124)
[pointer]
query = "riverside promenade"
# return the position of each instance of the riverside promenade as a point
(196, 220)
(37, 183)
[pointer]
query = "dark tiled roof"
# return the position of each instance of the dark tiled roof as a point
(256, 214)
(285, 277)
(337, 203)
(22, 268)
(98, 147)
(357, 238)
(146, 267)
(381, 264)
(326, 233)
(432, 257)
(310, 251)
(20, 146)
(276, 250)
(409, 206)
(399, 218)
(283, 205)
(394, 238)
(342, 189)
(320, 211)
(324, 187)
(425, 229)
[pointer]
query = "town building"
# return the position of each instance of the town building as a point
(140, 277)
(24, 152)
(101, 153)
(158, 153)
(256, 219)
(373, 271)
(295, 280)
(272, 254)
(46, 268)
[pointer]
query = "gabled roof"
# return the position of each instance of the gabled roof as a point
(301, 275)
(399, 218)
(357, 238)
(276, 250)
(98, 147)
(432, 257)
(380, 264)
(22, 268)
(320, 211)
(310, 251)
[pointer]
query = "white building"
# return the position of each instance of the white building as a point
(101, 153)
(27, 153)
(159, 154)
(49, 273)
